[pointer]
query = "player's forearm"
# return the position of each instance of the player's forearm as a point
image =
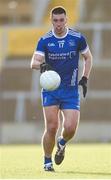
(36, 61)
(87, 67)
(88, 63)
(35, 65)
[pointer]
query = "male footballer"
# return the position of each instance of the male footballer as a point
(59, 49)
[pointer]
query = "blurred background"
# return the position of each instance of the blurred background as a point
(22, 22)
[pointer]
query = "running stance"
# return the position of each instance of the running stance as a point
(60, 49)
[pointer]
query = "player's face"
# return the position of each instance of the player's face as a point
(59, 22)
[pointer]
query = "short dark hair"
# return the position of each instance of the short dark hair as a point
(58, 10)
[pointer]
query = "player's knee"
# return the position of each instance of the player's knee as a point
(70, 129)
(52, 129)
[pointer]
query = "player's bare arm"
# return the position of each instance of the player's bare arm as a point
(86, 71)
(88, 63)
(36, 61)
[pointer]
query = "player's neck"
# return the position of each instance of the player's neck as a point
(62, 33)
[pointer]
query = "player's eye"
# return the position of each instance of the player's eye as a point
(58, 20)
(61, 20)
(55, 20)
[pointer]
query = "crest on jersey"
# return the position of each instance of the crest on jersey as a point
(71, 42)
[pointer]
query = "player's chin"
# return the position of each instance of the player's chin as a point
(59, 30)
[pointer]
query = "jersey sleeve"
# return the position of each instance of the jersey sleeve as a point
(40, 47)
(83, 46)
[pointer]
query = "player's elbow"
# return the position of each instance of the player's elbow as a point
(91, 59)
(88, 58)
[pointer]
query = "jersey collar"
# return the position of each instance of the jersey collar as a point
(59, 36)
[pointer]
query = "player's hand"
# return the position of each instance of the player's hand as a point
(45, 67)
(83, 83)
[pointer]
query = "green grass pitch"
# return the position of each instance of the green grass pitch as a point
(82, 161)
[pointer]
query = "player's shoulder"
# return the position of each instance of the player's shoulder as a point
(47, 35)
(74, 32)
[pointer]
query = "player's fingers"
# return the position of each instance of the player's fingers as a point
(84, 91)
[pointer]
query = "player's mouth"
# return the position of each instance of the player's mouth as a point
(59, 29)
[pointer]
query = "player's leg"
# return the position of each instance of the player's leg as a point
(71, 119)
(51, 125)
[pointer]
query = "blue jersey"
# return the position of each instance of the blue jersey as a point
(62, 53)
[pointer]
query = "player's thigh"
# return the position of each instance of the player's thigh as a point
(51, 115)
(71, 117)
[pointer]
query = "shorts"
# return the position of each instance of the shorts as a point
(64, 97)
